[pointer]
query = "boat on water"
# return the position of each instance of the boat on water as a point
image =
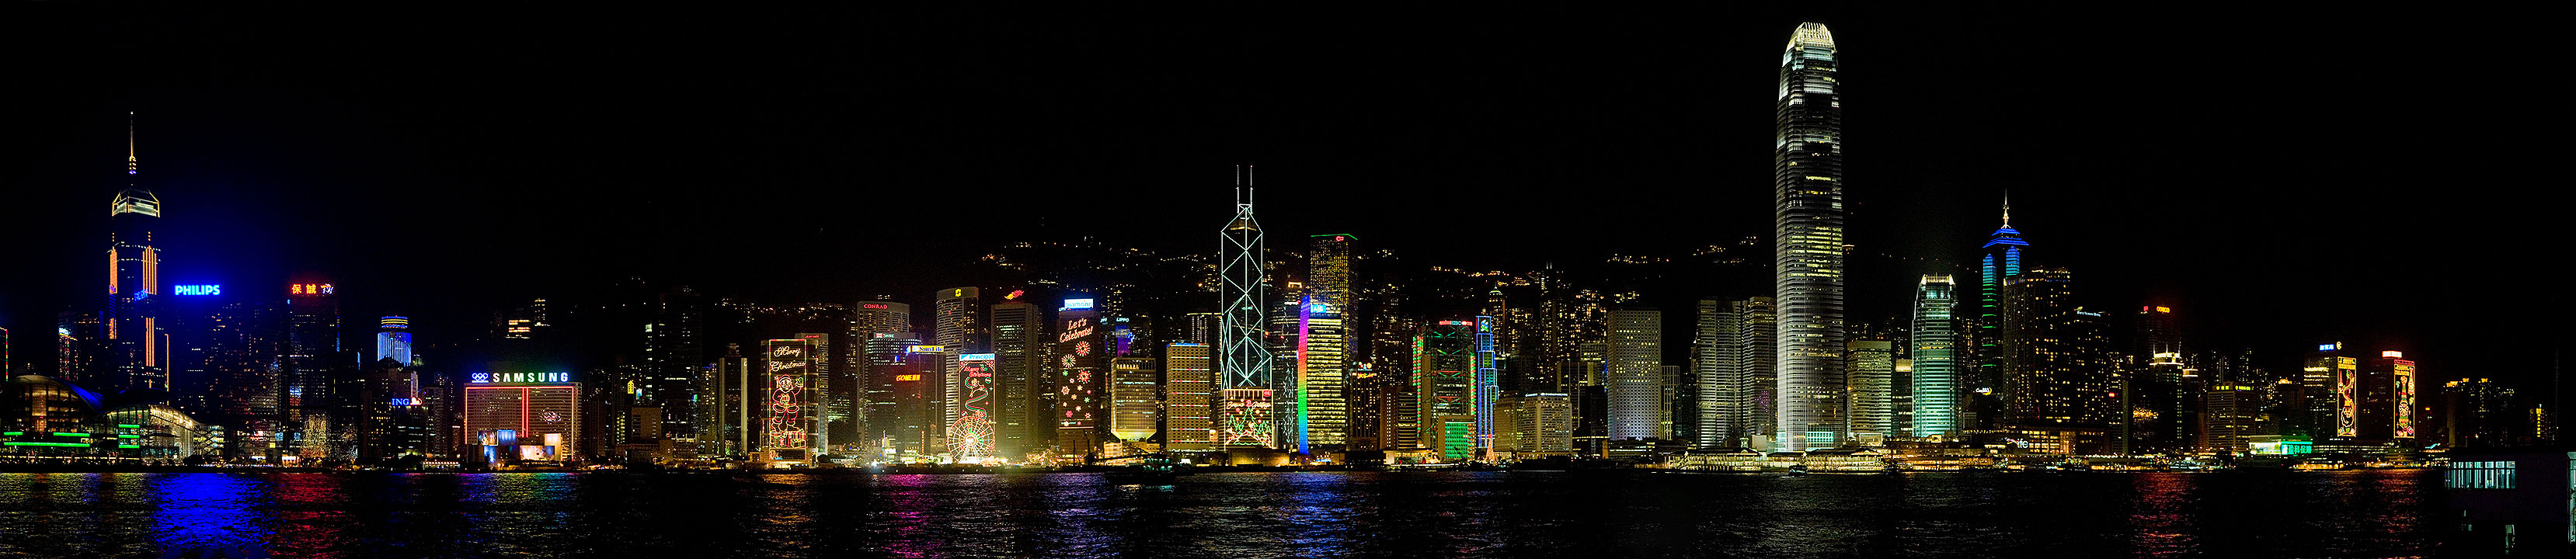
(1152, 470)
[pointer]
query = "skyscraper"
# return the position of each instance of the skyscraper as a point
(1872, 371)
(1021, 422)
(1188, 376)
(1243, 414)
(1807, 174)
(1636, 374)
(1081, 381)
(2333, 382)
(2056, 378)
(138, 348)
(312, 340)
(1444, 388)
(1984, 341)
(970, 436)
(1135, 398)
(957, 329)
(1323, 343)
(789, 428)
(1935, 390)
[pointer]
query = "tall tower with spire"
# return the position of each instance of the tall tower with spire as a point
(1807, 180)
(1243, 357)
(139, 350)
(2002, 262)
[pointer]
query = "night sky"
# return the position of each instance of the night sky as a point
(2283, 178)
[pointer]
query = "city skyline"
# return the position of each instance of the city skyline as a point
(226, 214)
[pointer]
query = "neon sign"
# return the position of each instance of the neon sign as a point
(1073, 304)
(308, 289)
(2393, 354)
(1456, 323)
(497, 378)
(2330, 347)
(926, 349)
(875, 306)
(196, 290)
(906, 378)
(1015, 294)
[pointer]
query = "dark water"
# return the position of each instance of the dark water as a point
(1353, 514)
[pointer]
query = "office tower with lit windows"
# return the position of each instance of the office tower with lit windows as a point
(1135, 398)
(2056, 378)
(1982, 341)
(1739, 338)
(1872, 372)
(957, 328)
(904, 407)
(1635, 377)
(789, 430)
(2388, 401)
(138, 349)
(1244, 406)
(1188, 380)
(2230, 413)
(1807, 177)
(1081, 379)
(1936, 393)
(1444, 388)
(1488, 372)
(1323, 404)
(312, 346)
(1021, 422)
(719, 405)
(1535, 425)
(1288, 418)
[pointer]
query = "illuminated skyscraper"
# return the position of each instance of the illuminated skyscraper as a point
(1636, 374)
(1488, 370)
(1738, 384)
(312, 342)
(1135, 398)
(1984, 349)
(1244, 409)
(1935, 391)
(970, 436)
(853, 377)
(789, 430)
(1082, 378)
(1444, 388)
(138, 348)
(1322, 342)
(957, 329)
(2330, 386)
(1188, 378)
(2056, 377)
(1807, 175)
(1021, 422)
(2388, 406)
(1872, 370)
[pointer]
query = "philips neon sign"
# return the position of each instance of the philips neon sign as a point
(2330, 347)
(196, 290)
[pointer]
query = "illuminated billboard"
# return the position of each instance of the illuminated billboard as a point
(2347, 373)
(1077, 304)
(196, 290)
(970, 438)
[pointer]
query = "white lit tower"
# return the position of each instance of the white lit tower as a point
(140, 349)
(1807, 173)
(1243, 413)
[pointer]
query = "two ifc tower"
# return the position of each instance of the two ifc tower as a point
(1808, 281)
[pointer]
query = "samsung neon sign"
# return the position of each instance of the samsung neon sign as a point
(490, 378)
(196, 290)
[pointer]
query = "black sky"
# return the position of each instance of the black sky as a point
(2285, 177)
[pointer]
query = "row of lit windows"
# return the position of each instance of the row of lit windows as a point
(2479, 475)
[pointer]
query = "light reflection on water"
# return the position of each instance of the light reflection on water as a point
(1320, 514)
